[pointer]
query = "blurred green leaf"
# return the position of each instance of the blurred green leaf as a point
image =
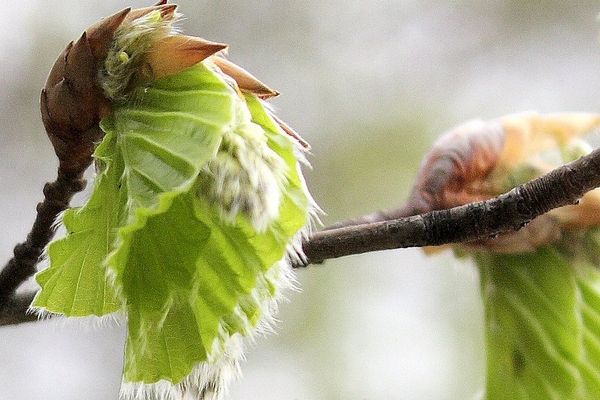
(542, 324)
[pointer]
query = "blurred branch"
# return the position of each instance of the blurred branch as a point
(57, 196)
(14, 310)
(508, 212)
(482, 220)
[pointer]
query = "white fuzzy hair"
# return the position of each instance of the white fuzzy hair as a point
(128, 49)
(246, 175)
(211, 380)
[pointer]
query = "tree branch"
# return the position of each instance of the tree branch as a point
(482, 220)
(14, 310)
(57, 196)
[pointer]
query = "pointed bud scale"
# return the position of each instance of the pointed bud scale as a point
(167, 11)
(176, 53)
(73, 103)
(80, 71)
(244, 79)
(57, 73)
(101, 34)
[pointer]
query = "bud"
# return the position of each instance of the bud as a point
(198, 205)
(113, 56)
(481, 160)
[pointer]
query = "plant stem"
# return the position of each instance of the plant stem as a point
(57, 196)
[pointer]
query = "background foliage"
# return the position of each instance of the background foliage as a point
(370, 84)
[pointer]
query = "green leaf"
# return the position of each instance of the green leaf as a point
(542, 315)
(154, 148)
(75, 284)
(188, 278)
(166, 133)
(208, 280)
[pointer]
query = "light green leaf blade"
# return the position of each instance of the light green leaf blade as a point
(188, 293)
(542, 330)
(168, 131)
(156, 144)
(75, 284)
(157, 282)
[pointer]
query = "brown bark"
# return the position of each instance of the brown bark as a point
(476, 221)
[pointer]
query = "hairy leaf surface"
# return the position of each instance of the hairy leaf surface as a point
(205, 282)
(155, 146)
(542, 325)
(75, 284)
(188, 279)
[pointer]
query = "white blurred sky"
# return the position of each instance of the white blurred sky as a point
(370, 84)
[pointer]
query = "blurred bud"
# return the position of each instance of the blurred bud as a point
(481, 160)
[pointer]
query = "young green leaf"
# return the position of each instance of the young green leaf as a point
(199, 198)
(193, 279)
(542, 325)
(154, 149)
(75, 284)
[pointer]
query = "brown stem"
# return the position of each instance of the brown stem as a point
(378, 216)
(508, 212)
(57, 196)
(14, 311)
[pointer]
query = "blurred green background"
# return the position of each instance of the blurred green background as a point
(370, 84)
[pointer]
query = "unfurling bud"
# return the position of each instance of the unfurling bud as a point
(198, 206)
(126, 50)
(481, 160)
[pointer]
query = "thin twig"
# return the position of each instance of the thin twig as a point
(57, 196)
(508, 212)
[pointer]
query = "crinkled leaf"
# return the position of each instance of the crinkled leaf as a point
(542, 325)
(205, 282)
(188, 279)
(166, 134)
(159, 141)
(75, 284)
